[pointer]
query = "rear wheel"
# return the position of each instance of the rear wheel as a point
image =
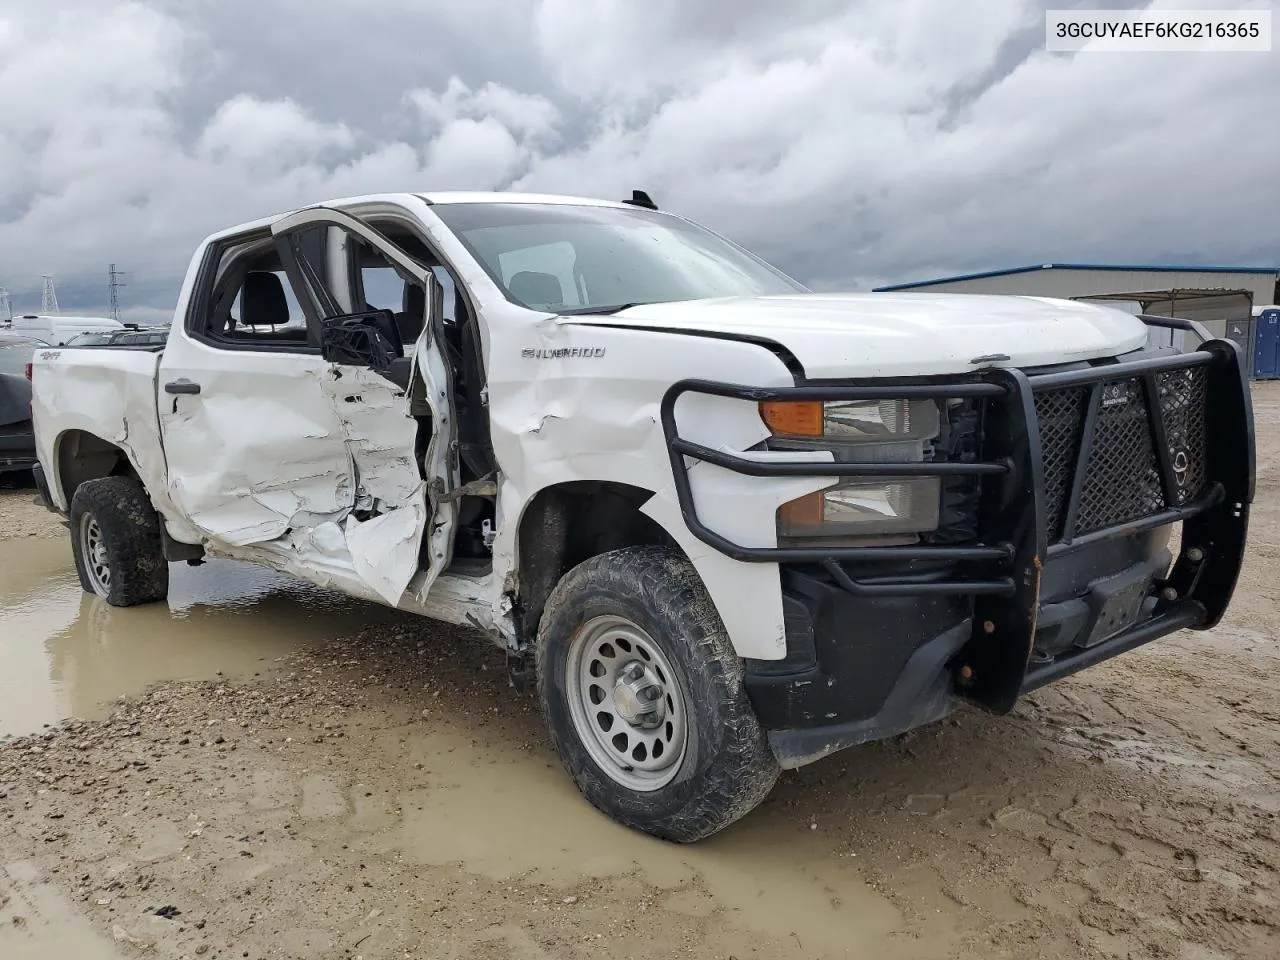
(117, 543)
(643, 696)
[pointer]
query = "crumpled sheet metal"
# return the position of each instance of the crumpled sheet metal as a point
(309, 444)
(109, 394)
(563, 420)
(259, 450)
(570, 400)
(380, 437)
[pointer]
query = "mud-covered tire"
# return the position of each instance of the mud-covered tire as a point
(126, 541)
(727, 767)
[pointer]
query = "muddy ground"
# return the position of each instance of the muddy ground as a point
(385, 795)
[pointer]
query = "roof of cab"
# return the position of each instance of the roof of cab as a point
(498, 196)
(435, 198)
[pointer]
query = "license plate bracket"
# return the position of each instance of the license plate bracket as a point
(1117, 603)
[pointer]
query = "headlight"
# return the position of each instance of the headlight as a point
(860, 431)
(851, 421)
(857, 507)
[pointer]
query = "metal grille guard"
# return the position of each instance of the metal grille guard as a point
(1012, 548)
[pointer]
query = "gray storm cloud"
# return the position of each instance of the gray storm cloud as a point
(851, 144)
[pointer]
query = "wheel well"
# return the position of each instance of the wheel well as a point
(571, 522)
(82, 456)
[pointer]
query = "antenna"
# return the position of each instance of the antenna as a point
(641, 199)
(49, 299)
(6, 305)
(114, 275)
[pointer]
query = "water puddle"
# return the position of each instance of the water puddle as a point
(65, 653)
(39, 922)
(772, 875)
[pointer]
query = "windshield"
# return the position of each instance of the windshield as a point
(89, 340)
(586, 259)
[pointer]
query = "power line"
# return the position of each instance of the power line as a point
(49, 298)
(114, 276)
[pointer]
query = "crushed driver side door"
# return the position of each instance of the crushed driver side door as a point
(403, 463)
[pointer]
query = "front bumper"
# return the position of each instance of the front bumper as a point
(1069, 568)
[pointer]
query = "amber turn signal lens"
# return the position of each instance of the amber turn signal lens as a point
(792, 419)
(807, 511)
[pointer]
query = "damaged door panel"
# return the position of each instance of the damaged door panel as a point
(392, 399)
(253, 447)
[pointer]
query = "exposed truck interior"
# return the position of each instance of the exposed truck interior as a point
(252, 302)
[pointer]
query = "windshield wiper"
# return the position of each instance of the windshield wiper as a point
(605, 310)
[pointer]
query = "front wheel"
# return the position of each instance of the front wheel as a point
(643, 695)
(116, 542)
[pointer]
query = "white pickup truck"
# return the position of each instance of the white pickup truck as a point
(729, 525)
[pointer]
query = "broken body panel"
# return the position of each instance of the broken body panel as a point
(319, 468)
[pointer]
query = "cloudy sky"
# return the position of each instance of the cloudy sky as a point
(851, 143)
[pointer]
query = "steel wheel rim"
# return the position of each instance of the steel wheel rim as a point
(638, 738)
(93, 548)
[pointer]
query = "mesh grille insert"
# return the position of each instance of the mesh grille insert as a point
(1122, 475)
(1122, 481)
(1061, 416)
(1183, 395)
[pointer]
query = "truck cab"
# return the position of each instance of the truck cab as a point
(723, 524)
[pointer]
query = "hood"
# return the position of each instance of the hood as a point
(902, 334)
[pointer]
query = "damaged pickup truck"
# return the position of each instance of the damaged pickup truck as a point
(730, 526)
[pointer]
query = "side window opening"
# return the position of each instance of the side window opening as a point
(252, 302)
(265, 307)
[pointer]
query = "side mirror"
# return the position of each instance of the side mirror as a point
(367, 339)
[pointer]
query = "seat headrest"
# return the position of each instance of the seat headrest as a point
(537, 289)
(262, 302)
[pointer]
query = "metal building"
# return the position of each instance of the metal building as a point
(1227, 300)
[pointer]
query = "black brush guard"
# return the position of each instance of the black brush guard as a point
(1028, 527)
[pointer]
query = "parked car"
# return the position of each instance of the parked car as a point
(727, 525)
(57, 330)
(95, 338)
(17, 438)
(133, 336)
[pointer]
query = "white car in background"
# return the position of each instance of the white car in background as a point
(57, 330)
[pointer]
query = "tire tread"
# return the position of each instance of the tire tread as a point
(131, 531)
(739, 769)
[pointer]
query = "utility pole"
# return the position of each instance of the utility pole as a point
(49, 298)
(114, 275)
(6, 305)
